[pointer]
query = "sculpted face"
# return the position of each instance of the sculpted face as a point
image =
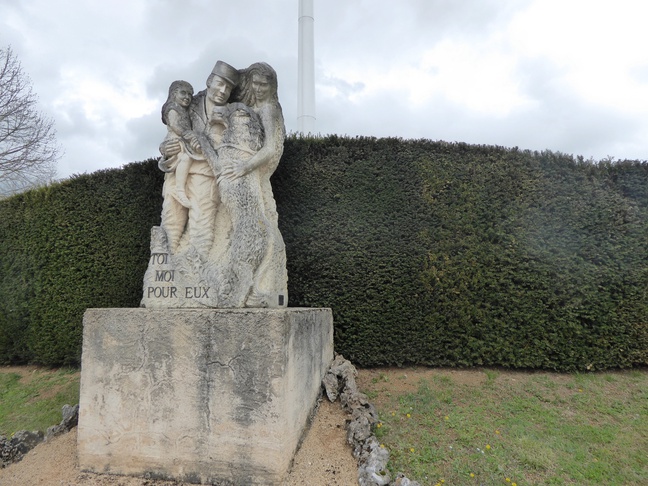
(218, 91)
(261, 87)
(183, 97)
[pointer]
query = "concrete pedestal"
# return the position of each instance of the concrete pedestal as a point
(202, 396)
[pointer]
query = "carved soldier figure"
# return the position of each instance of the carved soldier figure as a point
(197, 221)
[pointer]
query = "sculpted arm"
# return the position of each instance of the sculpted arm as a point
(173, 146)
(181, 126)
(273, 144)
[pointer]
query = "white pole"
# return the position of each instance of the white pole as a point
(306, 61)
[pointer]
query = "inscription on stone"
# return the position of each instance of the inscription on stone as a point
(162, 292)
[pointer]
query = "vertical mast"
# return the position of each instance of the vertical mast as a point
(306, 61)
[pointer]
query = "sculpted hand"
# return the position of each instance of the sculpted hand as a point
(232, 172)
(194, 143)
(170, 148)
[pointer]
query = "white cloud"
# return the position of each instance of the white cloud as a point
(566, 75)
(102, 100)
(595, 43)
(478, 77)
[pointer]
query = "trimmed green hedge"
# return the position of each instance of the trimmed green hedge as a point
(82, 243)
(459, 255)
(428, 253)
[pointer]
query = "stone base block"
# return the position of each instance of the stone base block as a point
(203, 396)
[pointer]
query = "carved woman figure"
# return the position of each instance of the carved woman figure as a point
(258, 89)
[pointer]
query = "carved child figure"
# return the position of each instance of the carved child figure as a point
(175, 115)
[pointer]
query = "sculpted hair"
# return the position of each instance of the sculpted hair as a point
(244, 92)
(170, 102)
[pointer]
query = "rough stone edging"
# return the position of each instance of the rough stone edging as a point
(339, 381)
(14, 449)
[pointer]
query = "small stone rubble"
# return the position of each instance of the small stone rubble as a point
(70, 420)
(339, 381)
(14, 449)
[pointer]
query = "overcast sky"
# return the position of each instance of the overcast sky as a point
(564, 75)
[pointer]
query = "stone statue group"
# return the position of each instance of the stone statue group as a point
(218, 244)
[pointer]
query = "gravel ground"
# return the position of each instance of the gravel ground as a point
(324, 459)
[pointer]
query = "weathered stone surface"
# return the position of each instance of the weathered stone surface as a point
(199, 395)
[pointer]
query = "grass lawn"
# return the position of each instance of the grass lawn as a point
(452, 427)
(490, 427)
(31, 398)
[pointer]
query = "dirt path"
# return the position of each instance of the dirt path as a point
(323, 460)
